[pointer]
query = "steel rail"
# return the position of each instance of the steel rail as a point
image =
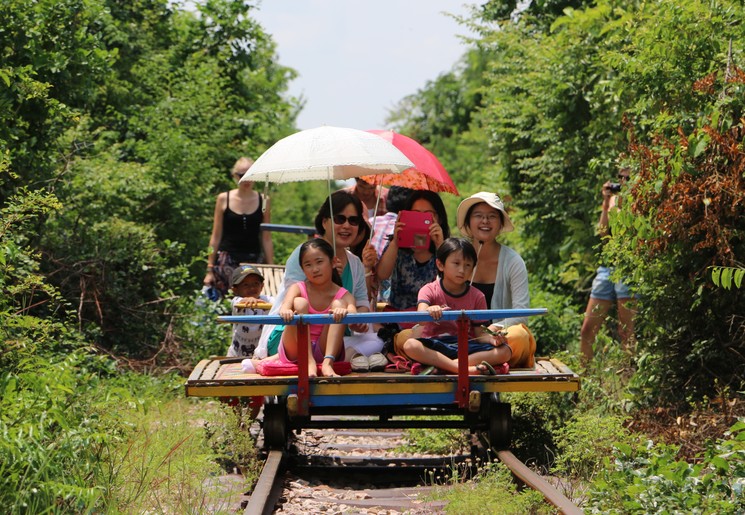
(262, 500)
(536, 482)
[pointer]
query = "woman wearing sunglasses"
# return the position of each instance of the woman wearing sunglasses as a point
(340, 229)
(236, 231)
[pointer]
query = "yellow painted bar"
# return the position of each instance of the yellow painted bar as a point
(248, 390)
(237, 390)
(532, 386)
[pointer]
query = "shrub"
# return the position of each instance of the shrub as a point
(535, 416)
(493, 491)
(584, 441)
(648, 479)
(559, 329)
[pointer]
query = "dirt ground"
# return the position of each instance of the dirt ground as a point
(690, 429)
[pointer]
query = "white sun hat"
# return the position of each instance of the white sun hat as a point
(491, 199)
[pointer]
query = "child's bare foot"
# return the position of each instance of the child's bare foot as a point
(327, 370)
(312, 369)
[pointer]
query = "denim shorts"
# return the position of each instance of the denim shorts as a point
(603, 288)
(448, 345)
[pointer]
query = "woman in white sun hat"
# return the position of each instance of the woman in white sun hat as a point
(501, 274)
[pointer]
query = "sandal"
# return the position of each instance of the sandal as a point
(399, 365)
(486, 369)
(428, 371)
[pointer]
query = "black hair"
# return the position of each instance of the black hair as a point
(451, 245)
(365, 231)
(442, 215)
(396, 200)
(338, 200)
(326, 248)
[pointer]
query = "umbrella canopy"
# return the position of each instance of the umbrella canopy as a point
(427, 173)
(327, 153)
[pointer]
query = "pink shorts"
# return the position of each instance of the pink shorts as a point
(317, 353)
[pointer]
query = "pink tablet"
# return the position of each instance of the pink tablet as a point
(415, 234)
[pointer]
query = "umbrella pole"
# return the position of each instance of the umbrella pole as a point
(481, 246)
(331, 212)
(266, 193)
(375, 213)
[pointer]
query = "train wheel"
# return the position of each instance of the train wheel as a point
(275, 422)
(500, 425)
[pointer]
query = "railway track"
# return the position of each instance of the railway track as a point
(361, 471)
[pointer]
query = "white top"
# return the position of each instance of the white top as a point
(246, 336)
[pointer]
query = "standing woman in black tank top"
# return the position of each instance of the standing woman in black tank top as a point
(236, 231)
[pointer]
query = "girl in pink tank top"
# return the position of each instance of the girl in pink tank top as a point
(320, 293)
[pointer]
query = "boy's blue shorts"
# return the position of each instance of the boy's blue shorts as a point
(448, 345)
(603, 288)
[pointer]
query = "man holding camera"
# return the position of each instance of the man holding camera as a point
(604, 291)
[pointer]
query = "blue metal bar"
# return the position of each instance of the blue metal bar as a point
(384, 317)
(295, 229)
(369, 399)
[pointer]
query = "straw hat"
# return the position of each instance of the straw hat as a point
(493, 200)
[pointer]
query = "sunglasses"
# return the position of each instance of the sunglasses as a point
(623, 177)
(239, 176)
(353, 220)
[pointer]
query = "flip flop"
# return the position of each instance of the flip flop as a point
(399, 365)
(428, 371)
(486, 369)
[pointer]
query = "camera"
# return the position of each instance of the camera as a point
(614, 187)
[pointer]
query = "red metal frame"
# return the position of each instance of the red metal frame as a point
(303, 385)
(464, 385)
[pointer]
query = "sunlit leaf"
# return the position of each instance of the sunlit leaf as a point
(700, 147)
(716, 273)
(727, 278)
(739, 274)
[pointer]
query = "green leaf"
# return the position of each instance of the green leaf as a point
(715, 117)
(739, 274)
(716, 272)
(720, 463)
(727, 278)
(738, 426)
(700, 147)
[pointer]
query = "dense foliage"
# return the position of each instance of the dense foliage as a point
(132, 115)
(565, 93)
(119, 122)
